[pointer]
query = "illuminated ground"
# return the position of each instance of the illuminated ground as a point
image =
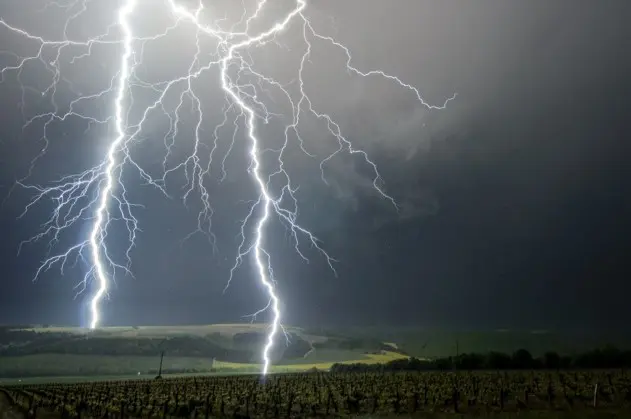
(31, 360)
(73, 359)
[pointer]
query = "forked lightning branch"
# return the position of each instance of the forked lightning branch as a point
(100, 194)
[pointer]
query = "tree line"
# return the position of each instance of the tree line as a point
(608, 357)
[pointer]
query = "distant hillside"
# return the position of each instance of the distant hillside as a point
(226, 344)
(427, 343)
(35, 351)
(242, 342)
(50, 350)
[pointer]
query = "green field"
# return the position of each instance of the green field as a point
(161, 331)
(29, 353)
(417, 342)
(50, 365)
(131, 352)
(430, 343)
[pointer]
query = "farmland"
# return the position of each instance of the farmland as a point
(47, 352)
(32, 352)
(335, 394)
(211, 371)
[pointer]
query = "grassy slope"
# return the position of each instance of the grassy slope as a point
(74, 368)
(421, 343)
(227, 330)
(303, 366)
(96, 365)
(70, 364)
(328, 355)
(439, 343)
(415, 342)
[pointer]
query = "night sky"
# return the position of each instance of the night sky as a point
(515, 200)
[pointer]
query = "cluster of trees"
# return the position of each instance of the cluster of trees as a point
(608, 357)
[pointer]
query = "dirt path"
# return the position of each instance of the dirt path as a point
(7, 410)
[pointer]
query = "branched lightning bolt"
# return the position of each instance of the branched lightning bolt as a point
(99, 195)
(97, 233)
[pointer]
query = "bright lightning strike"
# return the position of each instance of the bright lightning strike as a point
(99, 194)
(96, 236)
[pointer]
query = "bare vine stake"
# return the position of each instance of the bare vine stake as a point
(595, 394)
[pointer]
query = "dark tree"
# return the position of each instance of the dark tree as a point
(498, 361)
(522, 359)
(552, 360)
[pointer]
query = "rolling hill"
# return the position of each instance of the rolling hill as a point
(47, 351)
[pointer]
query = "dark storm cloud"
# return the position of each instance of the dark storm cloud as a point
(527, 75)
(528, 158)
(512, 199)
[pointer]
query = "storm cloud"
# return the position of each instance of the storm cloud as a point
(517, 188)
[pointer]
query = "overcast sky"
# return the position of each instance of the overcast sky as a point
(514, 200)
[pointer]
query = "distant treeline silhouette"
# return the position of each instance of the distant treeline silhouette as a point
(608, 357)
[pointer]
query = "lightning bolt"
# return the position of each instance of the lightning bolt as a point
(99, 194)
(96, 236)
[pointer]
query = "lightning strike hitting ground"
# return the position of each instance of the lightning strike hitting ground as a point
(99, 193)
